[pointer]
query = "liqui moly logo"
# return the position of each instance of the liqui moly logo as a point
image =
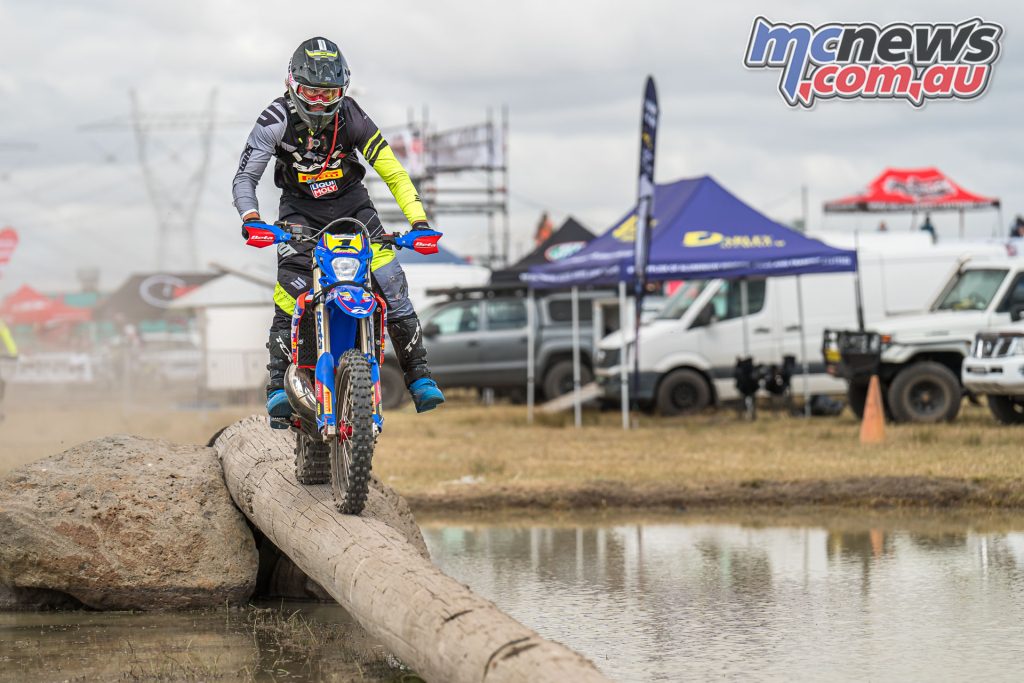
(911, 62)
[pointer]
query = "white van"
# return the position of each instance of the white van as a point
(688, 353)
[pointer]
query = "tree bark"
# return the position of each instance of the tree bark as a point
(431, 622)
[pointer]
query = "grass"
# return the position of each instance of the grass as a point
(467, 451)
(465, 447)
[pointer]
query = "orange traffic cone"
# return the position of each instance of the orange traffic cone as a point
(872, 427)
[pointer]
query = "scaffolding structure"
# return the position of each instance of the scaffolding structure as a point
(460, 172)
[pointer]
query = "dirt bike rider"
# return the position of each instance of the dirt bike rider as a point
(314, 131)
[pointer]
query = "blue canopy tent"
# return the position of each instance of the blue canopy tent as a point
(700, 231)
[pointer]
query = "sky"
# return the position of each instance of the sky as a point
(570, 73)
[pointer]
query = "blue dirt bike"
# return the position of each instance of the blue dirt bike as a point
(337, 345)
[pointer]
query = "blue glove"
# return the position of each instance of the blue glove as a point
(420, 239)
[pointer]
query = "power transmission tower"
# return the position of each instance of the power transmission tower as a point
(176, 208)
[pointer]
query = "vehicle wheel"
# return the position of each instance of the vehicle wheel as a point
(925, 392)
(352, 452)
(856, 397)
(558, 379)
(1007, 409)
(393, 392)
(682, 392)
(312, 461)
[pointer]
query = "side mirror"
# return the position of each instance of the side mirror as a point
(1016, 312)
(431, 330)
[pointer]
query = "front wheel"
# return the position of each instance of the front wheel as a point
(682, 392)
(925, 392)
(352, 449)
(1009, 410)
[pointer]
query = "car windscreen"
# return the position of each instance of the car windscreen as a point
(972, 290)
(681, 300)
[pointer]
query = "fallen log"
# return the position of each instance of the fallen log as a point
(431, 622)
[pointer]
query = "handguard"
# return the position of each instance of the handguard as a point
(259, 234)
(422, 241)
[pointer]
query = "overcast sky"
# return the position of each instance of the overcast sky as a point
(571, 74)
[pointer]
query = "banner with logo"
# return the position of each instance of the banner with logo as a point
(645, 190)
(407, 144)
(479, 146)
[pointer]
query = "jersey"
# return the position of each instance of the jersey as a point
(308, 168)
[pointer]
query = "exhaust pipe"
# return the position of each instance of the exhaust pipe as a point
(300, 393)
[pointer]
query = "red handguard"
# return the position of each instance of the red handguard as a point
(426, 245)
(259, 237)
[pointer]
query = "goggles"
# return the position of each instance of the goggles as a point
(312, 95)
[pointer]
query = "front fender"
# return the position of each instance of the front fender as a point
(680, 359)
(898, 354)
(352, 301)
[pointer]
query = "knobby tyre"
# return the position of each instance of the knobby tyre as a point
(352, 457)
(312, 461)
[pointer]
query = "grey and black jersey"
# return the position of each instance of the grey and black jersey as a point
(309, 167)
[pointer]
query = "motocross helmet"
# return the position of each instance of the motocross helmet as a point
(318, 77)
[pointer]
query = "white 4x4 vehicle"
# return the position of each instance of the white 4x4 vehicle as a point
(996, 368)
(923, 355)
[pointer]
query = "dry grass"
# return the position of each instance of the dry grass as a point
(465, 450)
(428, 454)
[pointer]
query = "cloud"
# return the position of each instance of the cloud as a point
(571, 74)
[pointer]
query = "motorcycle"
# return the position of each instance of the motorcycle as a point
(337, 348)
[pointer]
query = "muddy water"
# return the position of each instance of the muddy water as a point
(283, 642)
(686, 598)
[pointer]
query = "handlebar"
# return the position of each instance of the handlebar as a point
(422, 241)
(298, 233)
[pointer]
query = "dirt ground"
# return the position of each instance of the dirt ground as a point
(466, 456)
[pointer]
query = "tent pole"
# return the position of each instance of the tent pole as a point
(743, 317)
(577, 407)
(858, 295)
(623, 349)
(803, 346)
(531, 379)
(961, 223)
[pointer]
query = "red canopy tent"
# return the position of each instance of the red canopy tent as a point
(912, 189)
(26, 306)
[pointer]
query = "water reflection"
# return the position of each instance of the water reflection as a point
(703, 599)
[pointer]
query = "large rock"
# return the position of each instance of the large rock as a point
(123, 523)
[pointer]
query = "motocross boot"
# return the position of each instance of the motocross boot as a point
(278, 407)
(407, 338)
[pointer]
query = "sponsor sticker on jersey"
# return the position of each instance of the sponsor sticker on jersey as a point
(326, 175)
(323, 187)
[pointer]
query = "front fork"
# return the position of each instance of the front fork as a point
(326, 367)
